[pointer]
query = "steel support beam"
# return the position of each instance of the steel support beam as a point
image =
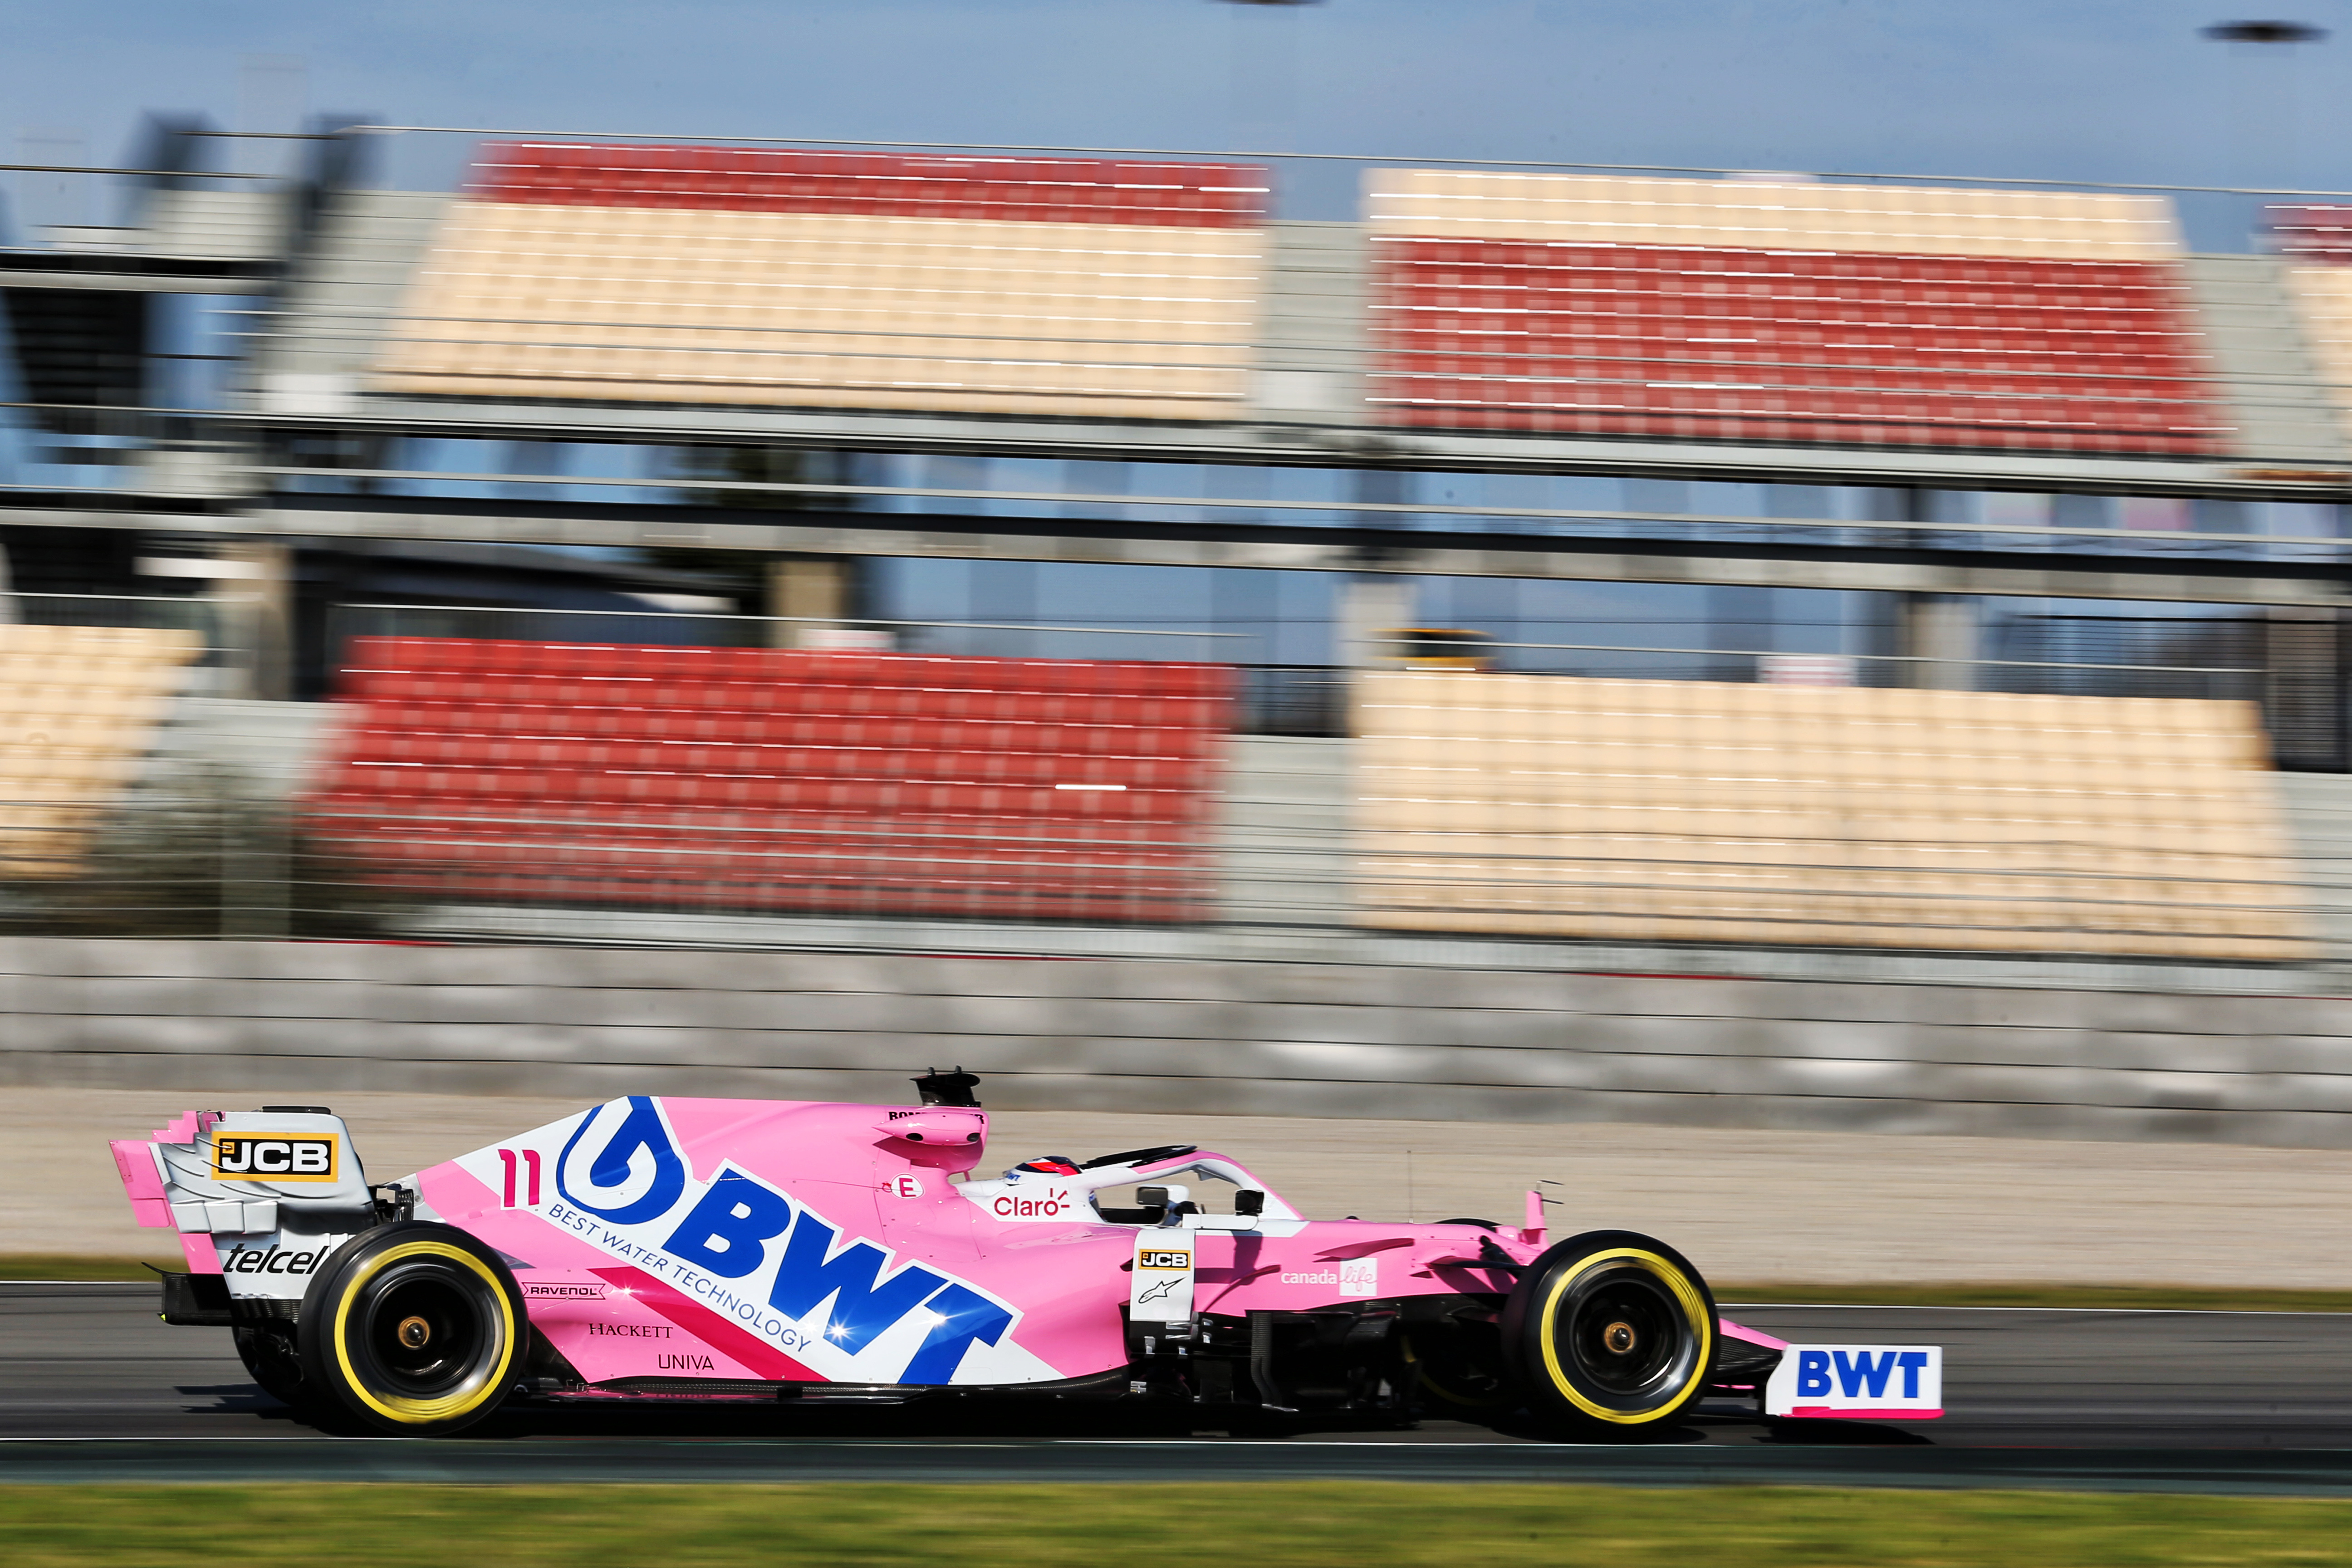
(1341, 444)
(1879, 569)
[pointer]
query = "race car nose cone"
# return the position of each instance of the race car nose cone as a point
(1619, 1338)
(414, 1332)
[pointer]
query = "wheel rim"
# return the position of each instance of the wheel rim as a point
(422, 1331)
(425, 1334)
(1626, 1336)
(1623, 1333)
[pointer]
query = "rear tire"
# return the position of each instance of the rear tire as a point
(271, 1358)
(414, 1330)
(1610, 1336)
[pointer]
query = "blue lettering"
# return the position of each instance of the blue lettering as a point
(966, 1318)
(1913, 1362)
(1861, 1373)
(641, 1128)
(862, 1309)
(725, 1231)
(1812, 1373)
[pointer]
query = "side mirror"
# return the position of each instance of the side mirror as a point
(1249, 1203)
(1151, 1198)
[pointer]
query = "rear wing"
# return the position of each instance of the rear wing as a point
(260, 1198)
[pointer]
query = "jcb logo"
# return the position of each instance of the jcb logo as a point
(274, 1157)
(1171, 1260)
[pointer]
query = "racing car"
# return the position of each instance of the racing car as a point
(666, 1248)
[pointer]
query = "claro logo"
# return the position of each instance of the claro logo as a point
(274, 1157)
(1053, 1205)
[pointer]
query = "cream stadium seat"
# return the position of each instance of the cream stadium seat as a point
(1706, 812)
(78, 708)
(2323, 297)
(1004, 286)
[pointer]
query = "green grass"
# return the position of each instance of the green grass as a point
(2164, 1297)
(1265, 1525)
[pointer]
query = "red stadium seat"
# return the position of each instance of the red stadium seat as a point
(698, 778)
(2313, 234)
(1724, 343)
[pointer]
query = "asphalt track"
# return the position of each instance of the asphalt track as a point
(93, 1387)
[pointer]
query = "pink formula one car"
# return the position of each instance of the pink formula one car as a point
(666, 1248)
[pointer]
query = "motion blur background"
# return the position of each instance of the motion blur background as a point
(1503, 562)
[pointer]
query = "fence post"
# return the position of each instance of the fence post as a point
(256, 612)
(814, 590)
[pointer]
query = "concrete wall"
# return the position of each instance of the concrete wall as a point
(1326, 1040)
(1744, 1204)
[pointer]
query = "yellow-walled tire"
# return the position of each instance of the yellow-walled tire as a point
(1610, 1336)
(412, 1330)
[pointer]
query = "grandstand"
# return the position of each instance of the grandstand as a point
(78, 708)
(751, 779)
(2065, 504)
(1682, 811)
(1693, 308)
(2317, 244)
(706, 275)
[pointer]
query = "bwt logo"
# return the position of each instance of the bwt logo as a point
(274, 1157)
(789, 1260)
(1859, 1374)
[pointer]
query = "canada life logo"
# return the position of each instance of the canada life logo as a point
(760, 1259)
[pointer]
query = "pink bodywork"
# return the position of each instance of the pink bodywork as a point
(620, 1307)
(803, 1242)
(1065, 1281)
(143, 1183)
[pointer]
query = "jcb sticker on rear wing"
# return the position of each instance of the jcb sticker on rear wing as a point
(275, 1157)
(1874, 1383)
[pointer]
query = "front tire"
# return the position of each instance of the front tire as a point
(412, 1330)
(1610, 1336)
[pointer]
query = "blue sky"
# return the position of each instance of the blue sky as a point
(2091, 89)
(2097, 89)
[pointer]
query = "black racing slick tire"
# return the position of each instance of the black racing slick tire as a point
(1610, 1336)
(268, 1353)
(412, 1330)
